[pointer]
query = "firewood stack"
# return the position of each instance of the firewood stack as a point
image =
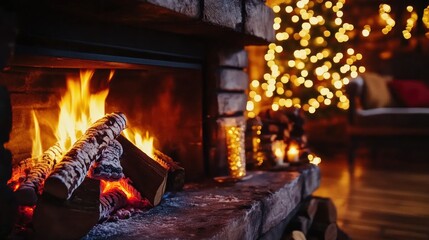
(286, 125)
(316, 219)
(64, 185)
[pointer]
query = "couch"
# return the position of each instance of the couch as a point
(382, 108)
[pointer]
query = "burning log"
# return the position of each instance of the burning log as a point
(111, 201)
(108, 167)
(70, 219)
(149, 176)
(27, 192)
(23, 167)
(176, 173)
(74, 166)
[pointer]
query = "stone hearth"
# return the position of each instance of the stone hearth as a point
(259, 207)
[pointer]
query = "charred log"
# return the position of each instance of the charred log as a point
(74, 166)
(27, 192)
(112, 201)
(148, 176)
(108, 167)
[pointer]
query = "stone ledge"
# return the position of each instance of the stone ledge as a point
(216, 20)
(242, 210)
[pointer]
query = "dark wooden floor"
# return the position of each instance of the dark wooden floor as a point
(387, 196)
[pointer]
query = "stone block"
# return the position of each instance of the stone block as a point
(258, 20)
(232, 79)
(231, 103)
(226, 13)
(190, 8)
(233, 58)
(279, 205)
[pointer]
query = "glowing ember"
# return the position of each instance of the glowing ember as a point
(124, 186)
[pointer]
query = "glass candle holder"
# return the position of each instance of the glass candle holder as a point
(235, 150)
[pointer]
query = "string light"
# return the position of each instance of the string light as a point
(304, 70)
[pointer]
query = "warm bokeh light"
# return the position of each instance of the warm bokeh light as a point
(308, 53)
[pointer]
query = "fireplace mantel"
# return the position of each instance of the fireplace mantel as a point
(235, 22)
(259, 207)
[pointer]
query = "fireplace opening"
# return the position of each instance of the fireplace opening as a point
(164, 102)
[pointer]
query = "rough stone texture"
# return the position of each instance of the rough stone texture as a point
(226, 13)
(230, 103)
(233, 79)
(259, 19)
(190, 8)
(241, 210)
(274, 204)
(233, 58)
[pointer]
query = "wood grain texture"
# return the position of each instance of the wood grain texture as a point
(385, 198)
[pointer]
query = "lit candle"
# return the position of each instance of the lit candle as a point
(293, 154)
(279, 148)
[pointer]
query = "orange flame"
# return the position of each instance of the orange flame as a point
(36, 149)
(145, 144)
(79, 108)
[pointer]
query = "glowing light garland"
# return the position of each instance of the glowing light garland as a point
(309, 63)
(386, 16)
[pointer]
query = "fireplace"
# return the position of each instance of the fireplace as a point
(176, 70)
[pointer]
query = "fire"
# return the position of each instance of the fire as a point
(79, 108)
(36, 149)
(124, 186)
(145, 144)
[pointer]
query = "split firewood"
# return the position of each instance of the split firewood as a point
(27, 192)
(324, 225)
(75, 164)
(303, 219)
(111, 201)
(70, 219)
(326, 210)
(148, 176)
(323, 231)
(176, 173)
(294, 235)
(108, 167)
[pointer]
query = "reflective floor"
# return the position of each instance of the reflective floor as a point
(387, 196)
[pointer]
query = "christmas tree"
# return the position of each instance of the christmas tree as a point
(310, 62)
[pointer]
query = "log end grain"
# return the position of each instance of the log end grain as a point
(26, 196)
(55, 187)
(156, 199)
